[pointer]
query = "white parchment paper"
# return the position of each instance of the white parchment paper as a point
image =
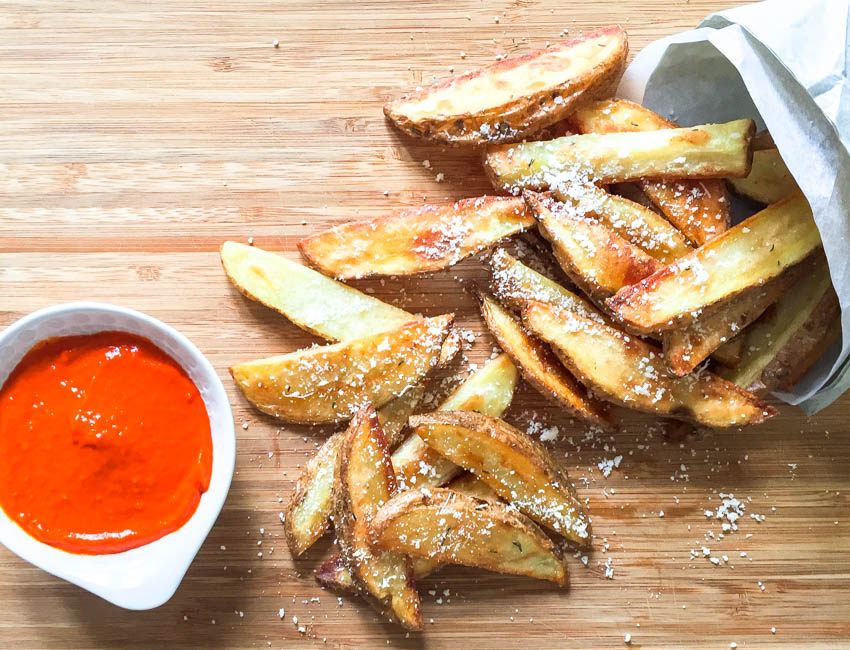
(785, 64)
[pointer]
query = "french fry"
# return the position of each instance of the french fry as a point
(763, 140)
(748, 255)
(329, 383)
(706, 151)
(512, 282)
(804, 313)
(312, 301)
(334, 574)
(510, 99)
(306, 297)
(593, 256)
(519, 469)
(732, 351)
(307, 515)
(488, 391)
(450, 527)
(364, 482)
(638, 225)
(769, 180)
(415, 240)
(685, 349)
(540, 366)
(631, 372)
(700, 209)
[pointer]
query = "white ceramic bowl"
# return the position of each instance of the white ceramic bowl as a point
(144, 577)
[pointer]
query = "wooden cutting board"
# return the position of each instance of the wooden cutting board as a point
(137, 136)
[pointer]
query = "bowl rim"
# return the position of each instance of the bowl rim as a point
(147, 576)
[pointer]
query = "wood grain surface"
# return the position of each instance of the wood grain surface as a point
(135, 137)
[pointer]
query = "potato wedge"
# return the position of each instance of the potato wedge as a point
(315, 302)
(631, 372)
(730, 353)
(309, 510)
(807, 309)
(488, 391)
(364, 481)
(513, 283)
(748, 255)
(541, 367)
(638, 225)
(706, 151)
(686, 348)
(508, 100)
(334, 574)
(415, 240)
(700, 209)
(769, 180)
(306, 297)
(519, 469)
(329, 383)
(453, 528)
(598, 260)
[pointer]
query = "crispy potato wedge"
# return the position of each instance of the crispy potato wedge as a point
(685, 349)
(519, 469)
(700, 209)
(594, 257)
(334, 574)
(488, 391)
(306, 297)
(329, 383)
(769, 180)
(807, 310)
(312, 301)
(638, 225)
(513, 283)
(748, 255)
(415, 240)
(364, 481)
(631, 372)
(706, 151)
(540, 367)
(730, 353)
(454, 528)
(309, 510)
(508, 100)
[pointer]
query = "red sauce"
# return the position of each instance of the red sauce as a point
(105, 443)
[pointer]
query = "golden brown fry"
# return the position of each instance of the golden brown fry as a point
(519, 469)
(308, 512)
(512, 282)
(488, 391)
(540, 366)
(769, 180)
(700, 209)
(450, 527)
(508, 100)
(730, 353)
(638, 225)
(782, 340)
(748, 255)
(593, 256)
(328, 383)
(333, 574)
(309, 299)
(706, 151)
(415, 240)
(686, 348)
(364, 482)
(631, 372)
(312, 301)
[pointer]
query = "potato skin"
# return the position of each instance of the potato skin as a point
(514, 120)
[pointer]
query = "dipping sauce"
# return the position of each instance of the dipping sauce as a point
(105, 443)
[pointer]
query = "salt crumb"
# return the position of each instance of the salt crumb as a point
(276, 43)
